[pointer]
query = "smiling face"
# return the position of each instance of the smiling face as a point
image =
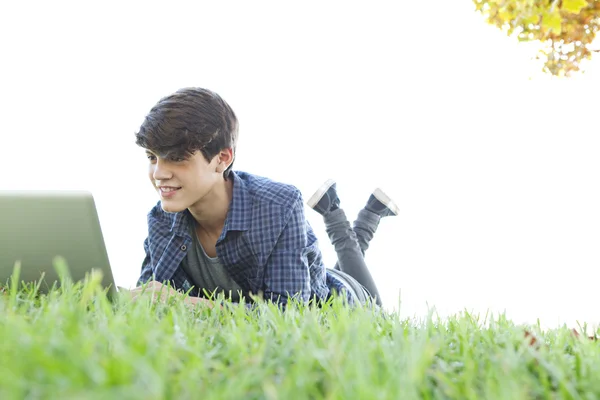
(182, 183)
(190, 137)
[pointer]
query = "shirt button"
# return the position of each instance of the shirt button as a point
(183, 247)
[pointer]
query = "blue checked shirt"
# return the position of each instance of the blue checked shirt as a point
(266, 245)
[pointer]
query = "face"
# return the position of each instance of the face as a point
(182, 183)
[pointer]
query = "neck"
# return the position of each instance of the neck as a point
(211, 211)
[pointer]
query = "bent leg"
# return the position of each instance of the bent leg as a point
(346, 242)
(349, 254)
(378, 206)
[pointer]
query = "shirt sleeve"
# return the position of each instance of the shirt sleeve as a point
(287, 272)
(147, 272)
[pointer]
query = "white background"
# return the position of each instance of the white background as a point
(495, 166)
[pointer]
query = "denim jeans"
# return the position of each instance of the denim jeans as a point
(350, 244)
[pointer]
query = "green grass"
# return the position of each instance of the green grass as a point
(75, 344)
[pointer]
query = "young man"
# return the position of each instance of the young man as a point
(218, 230)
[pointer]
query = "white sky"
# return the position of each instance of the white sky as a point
(495, 166)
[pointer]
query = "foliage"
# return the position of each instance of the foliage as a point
(566, 28)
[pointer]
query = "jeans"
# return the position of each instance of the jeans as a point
(351, 243)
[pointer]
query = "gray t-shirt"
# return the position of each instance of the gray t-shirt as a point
(208, 273)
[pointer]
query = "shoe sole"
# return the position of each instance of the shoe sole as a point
(386, 200)
(314, 199)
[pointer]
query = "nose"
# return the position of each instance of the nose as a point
(160, 171)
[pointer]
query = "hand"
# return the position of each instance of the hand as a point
(162, 292)
(157, 290)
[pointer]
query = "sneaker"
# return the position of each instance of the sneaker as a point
(325, 199)
(381, 204)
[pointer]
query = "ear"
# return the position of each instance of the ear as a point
(226, 157)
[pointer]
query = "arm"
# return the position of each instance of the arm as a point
(159, 291)
(147, 272)
(287, 271)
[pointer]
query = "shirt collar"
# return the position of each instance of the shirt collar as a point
(239, 216)
(180, 222)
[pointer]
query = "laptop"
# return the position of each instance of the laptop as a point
(37, 226)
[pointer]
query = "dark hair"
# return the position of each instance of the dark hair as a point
(190, 119)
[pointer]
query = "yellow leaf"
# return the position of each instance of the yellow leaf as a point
(574, 6)
(552, 21)
(531, 19)
(505, 15)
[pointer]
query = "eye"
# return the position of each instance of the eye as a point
(151, 157)
(177, 159)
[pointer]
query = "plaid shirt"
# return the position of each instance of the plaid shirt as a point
(266, 245)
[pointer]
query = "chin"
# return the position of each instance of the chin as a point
(170, 207)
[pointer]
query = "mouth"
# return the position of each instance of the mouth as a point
(168, 191)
